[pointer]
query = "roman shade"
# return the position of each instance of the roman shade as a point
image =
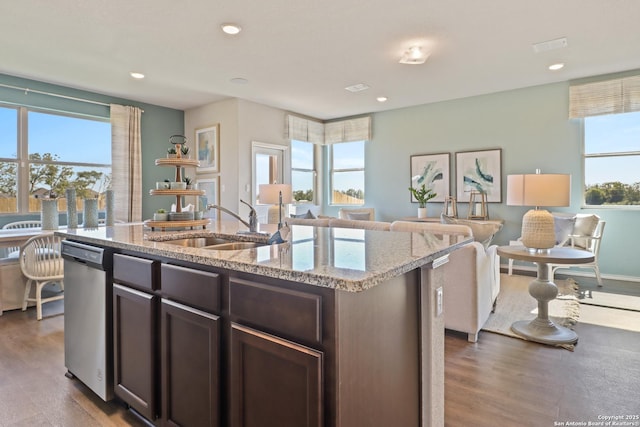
(358, 129)
(304, 129)
(604, 97)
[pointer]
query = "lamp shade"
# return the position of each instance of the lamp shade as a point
(270, 193)
(539, 190)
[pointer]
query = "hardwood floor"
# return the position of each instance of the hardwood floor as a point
(498, 381)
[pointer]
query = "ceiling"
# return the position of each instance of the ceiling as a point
(299, 55)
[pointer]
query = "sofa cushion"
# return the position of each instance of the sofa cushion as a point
(359, 216)
(483, 232)
(362, 224)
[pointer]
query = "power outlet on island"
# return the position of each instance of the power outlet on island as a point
(439, 301)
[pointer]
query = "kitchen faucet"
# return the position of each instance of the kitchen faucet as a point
(253, 216)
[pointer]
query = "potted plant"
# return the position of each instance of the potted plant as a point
(422, 194)
(187, 180)
(160, 215)
(171, 152)
(185, 151)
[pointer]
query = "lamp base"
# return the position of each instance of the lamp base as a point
(538, 231)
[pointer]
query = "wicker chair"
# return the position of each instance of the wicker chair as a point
(41, 263)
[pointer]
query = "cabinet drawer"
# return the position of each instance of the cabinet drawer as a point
(199, 289)
(136, 272)
(293, 314)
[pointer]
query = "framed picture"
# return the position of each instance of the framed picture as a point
(210, 187)
(479, 171)
(432, 170)
(208, 147)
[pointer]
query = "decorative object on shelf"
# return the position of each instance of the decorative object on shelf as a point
(178, 186)
(478, 206)
(72, 208)
(422, 194)
(49, 214)
(90, 217)
(432, 170)
(181, 216)
(479, 171)
(184, 150)
(108, 216)
(188, 182)
(160, 215)
(163, 185)
(276, 194)
(207, 145)
(172, 153)
(450, 207)
(538, 230)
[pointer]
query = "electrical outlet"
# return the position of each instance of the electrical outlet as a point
(439, 301)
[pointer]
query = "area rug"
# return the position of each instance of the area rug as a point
(604, 298)
(515, 303)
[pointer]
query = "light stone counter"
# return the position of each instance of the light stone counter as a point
(338, 258)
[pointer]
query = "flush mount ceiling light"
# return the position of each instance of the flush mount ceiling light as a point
(231, 28)
(357, 87)
(414, 56)
(136, 75)
(555, 67)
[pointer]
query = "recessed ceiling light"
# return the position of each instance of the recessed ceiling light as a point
(231, 28)
(239, 81)
(555, 67)
(136, 75)
(357, 87)
(382, 99)
(414, 56)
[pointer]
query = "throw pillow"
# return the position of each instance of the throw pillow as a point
(585, 226)
(359, 216)
(563, 226)
(307, 215)
(483, 232)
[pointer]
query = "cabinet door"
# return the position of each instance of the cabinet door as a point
(190, 343)
(134, 334)
(274, 382)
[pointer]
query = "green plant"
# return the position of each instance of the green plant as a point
(187, 180)
(422, 194)
(172, 150)
(184, 150)
(161, 211)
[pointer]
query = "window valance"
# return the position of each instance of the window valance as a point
(300, 129)
(304, 129)
(605, 97)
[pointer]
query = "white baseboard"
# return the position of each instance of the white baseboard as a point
(575, 273)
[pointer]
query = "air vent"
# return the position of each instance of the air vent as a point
(357, 87)
(550, 45)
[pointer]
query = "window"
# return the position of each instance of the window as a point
(347, 173)
(611, 159)
(303, 173)
(44, 153)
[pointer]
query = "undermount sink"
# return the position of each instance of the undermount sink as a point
(214, 243)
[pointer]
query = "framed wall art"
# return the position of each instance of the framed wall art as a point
(208, 148)
(479, 171)
(210, 187)
(433, 171)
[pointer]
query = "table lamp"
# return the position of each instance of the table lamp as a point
(272, 194)
(538, 232)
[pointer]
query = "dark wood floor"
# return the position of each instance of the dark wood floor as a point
(498, 381)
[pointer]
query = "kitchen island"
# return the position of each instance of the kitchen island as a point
(335, 327)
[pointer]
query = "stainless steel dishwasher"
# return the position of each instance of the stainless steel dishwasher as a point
(88, 336)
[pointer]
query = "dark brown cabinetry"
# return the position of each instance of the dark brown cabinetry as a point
(167, 341)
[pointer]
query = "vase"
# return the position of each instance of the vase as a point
(49, 214)
(72, 209)
(109, 220)
(90, 213)
(422, 212)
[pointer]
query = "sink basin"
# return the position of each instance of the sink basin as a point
(199, 242)
(234, 246)
(214, 243)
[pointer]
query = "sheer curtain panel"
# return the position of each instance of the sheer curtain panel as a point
(126, 162)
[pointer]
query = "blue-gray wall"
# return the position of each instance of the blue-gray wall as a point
(158, 124)
(532, 128)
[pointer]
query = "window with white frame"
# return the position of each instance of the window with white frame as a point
(347, 173)
(303, 173)
(42, 153)
(611, 159)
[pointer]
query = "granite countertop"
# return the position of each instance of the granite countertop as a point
(339, 258)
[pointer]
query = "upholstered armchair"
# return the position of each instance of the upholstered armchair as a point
(473, 279)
